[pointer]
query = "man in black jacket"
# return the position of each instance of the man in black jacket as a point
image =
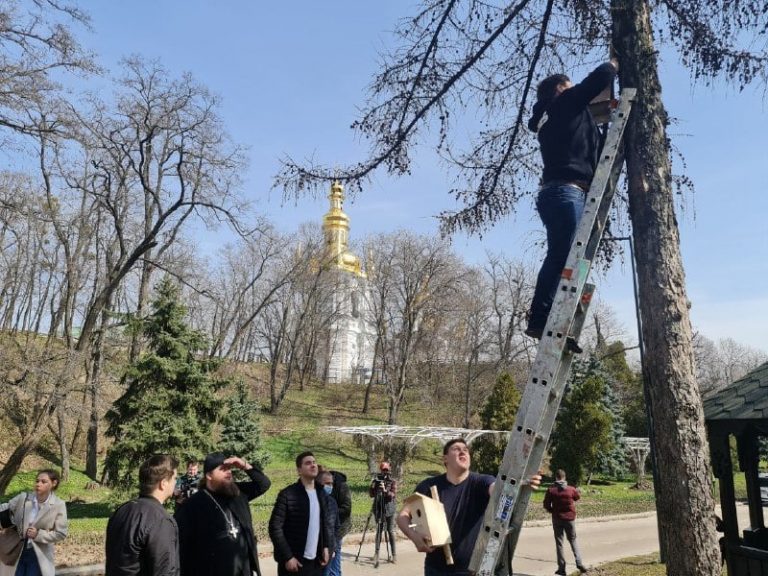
(570, 144)
(142, 539)
(301, 527)
(215, 527)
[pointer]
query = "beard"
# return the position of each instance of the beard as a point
(226, 489)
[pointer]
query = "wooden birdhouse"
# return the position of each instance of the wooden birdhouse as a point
(428, 519)
(602, 105)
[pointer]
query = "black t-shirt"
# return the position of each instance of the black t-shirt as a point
(465, 506)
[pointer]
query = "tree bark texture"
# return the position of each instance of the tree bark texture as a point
(685, 505)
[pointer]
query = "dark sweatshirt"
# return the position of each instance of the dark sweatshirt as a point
(569, 138)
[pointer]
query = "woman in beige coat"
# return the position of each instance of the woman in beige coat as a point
(41, 518)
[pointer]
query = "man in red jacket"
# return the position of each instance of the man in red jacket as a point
(560, 501)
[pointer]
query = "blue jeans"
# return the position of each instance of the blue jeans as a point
(560, 207)
(334, 566)
(28, 565)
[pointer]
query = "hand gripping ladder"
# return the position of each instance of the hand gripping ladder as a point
(541, 399)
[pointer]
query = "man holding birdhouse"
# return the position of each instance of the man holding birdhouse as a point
(465, 496)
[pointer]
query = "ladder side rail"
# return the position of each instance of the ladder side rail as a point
(546, 366)
(521, 496)
(547, 425)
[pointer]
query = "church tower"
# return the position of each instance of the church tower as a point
(345, 353)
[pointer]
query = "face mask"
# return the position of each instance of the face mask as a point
(328, 488)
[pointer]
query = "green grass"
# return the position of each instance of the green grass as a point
(648, 565)
(636, 566)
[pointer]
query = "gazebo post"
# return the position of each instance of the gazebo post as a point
(723, 469)
(749, 459)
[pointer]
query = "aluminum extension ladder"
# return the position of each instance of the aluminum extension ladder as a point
(544, 391)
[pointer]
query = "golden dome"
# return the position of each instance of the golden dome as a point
(336, 234)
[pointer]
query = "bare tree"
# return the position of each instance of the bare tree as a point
(162, 149)
(422, 275)
(290, 325)
(719, 364)
(38, 42)
(247, 280)
(471, 340)
(511, 286)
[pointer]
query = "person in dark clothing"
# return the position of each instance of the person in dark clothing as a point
(325, 483)
(560, 501)
(465, 496)
(570, 144)
(216, 535)
(383, 489)
(142, 539)
(301, 526)
(187, 484)
(343, 498)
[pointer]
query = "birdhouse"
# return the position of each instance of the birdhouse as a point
(428, 519)
(602, 105)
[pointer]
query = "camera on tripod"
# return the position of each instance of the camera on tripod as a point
(382, 478)
(382, 490)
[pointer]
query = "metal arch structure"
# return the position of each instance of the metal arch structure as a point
(640, 449)
(414, 434)
(633, 443)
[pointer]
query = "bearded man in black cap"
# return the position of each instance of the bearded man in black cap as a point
(215, 527)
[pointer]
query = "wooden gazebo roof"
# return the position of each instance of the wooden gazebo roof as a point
(744, 401)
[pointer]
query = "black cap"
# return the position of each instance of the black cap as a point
(213, 461)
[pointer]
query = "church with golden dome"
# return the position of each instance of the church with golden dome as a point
(345, 353)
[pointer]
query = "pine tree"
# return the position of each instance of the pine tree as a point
(170, 404)
(612, 462)
(241, 430)
(498, 413)
(583, 428)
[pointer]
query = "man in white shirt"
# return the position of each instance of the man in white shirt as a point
(301, 526)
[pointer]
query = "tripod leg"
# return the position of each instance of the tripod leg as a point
(378, 544)
(367, 523)
(387, 542)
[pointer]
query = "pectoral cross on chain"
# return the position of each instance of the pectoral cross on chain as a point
(233, 531)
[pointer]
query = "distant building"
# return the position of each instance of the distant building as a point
(345, 350)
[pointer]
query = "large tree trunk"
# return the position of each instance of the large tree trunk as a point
(685, 505)
(16, 459)
(63, 447)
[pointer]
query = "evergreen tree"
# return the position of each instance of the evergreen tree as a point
(498, 413)
(627, 385)
(612, 462)
(583, 428)
(241, 429)
(170, 404)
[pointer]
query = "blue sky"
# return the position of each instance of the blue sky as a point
(292, 75)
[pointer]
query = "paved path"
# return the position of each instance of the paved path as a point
(601, 540)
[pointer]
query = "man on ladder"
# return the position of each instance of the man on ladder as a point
(570, 146)
(578, 185)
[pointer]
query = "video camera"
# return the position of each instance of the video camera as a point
(381, 479)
